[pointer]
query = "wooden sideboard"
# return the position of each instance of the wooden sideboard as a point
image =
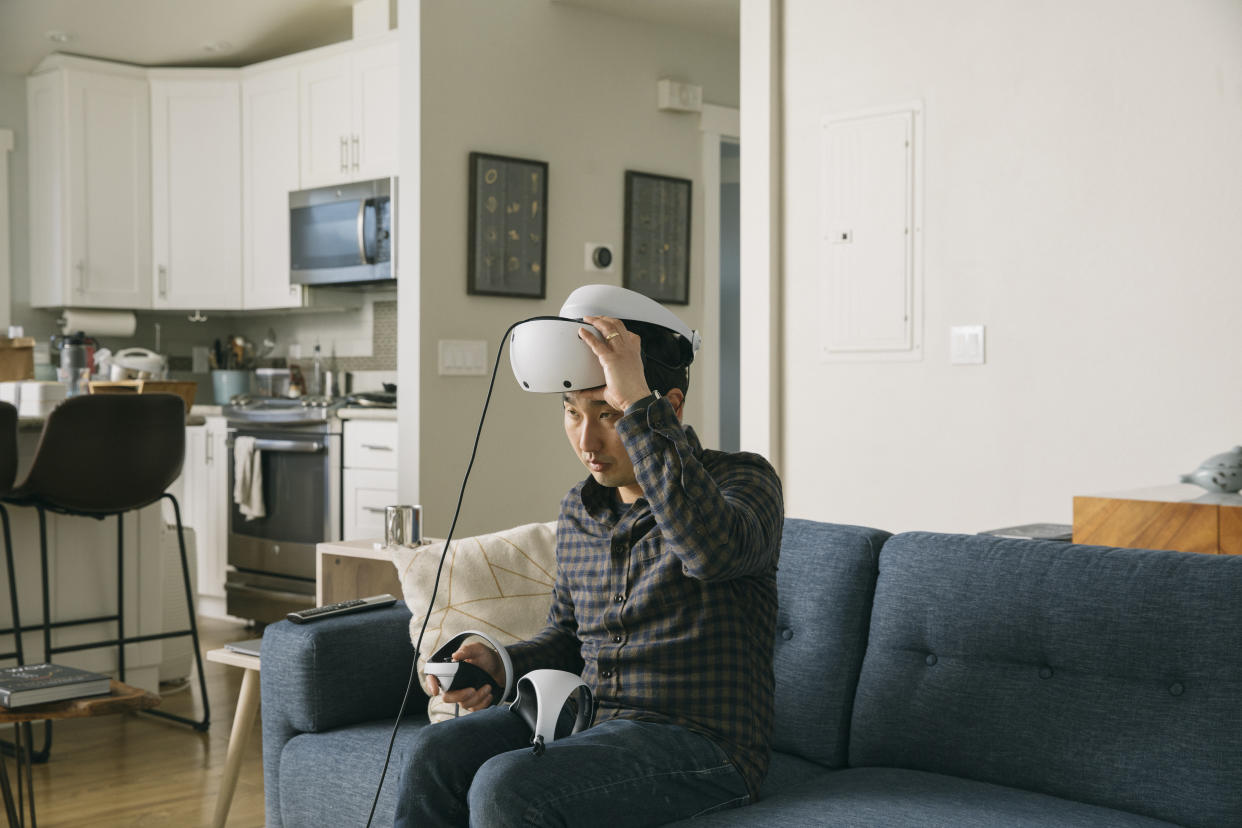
(1181, 517)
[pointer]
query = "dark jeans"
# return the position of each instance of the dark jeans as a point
(479, 770)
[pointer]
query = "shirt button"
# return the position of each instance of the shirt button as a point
(606, 674)
(618, 598)
(616, 639)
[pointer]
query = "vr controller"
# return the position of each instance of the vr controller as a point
(541, 694)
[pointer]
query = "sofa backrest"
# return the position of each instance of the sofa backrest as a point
(825, 582)
(1106, 676)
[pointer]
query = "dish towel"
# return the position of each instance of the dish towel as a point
(248, 478)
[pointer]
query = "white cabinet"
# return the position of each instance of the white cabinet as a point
(349, 114)
(369, 480)
(196, 190)
(270, 171)
(204, 502)
(90, 184)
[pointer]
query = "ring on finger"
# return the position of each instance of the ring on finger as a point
(612, 336)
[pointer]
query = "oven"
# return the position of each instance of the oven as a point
(272, 558)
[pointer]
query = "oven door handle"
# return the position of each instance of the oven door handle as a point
(298, 446)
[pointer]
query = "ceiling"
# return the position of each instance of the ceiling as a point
(182, 32)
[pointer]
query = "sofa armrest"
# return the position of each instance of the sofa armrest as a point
(331, 673)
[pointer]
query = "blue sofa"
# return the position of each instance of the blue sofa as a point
(922, 679)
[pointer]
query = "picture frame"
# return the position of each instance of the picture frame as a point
(508, 227)
(657, 236)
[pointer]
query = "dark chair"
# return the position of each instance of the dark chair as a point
(102, 456)
(8, 472)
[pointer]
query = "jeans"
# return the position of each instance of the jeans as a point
(479, 770)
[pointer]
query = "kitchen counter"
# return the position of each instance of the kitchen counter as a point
(362, 413)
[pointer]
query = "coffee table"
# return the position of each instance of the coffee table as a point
(121, 698)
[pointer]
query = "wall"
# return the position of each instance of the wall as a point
(13, 117)
(1083, 199)
(577, 89)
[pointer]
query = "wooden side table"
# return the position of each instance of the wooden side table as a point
(1182, 517)
(121, 699)
(243, 723)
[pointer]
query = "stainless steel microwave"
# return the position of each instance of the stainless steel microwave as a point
(343, 234)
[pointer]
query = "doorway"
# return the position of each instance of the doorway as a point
(730, 296)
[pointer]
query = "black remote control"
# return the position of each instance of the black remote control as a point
(330, 610)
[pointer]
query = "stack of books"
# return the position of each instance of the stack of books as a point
(40, 683)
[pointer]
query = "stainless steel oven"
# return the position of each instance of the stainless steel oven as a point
(272, 558)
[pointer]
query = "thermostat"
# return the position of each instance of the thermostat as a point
(599, 257)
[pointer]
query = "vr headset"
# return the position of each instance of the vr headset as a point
(548, 357)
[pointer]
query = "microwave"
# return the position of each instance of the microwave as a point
(343, 235)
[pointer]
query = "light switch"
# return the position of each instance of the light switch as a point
(463, 358)
(966, 345)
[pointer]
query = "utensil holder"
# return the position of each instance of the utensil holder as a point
(226, 384)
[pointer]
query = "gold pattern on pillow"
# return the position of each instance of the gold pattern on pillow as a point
(499, 584)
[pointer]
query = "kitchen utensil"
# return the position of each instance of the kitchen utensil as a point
(137, 363)
(76, 354)
(228, 384)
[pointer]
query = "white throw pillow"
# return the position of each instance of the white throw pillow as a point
(499, 584)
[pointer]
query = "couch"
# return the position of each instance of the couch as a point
(922, 679)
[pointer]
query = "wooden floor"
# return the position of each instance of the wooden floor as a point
(137, 770)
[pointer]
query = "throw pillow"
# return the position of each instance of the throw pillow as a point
(499, 584)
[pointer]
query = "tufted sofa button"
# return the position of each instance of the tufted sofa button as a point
(1045, 672)
(931, 659)
(786, 633)
(1176, 689)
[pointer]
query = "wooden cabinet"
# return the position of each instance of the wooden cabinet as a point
(270, 171)
(349, 114)
(369, 479)
(90, 184)
(1182, 518)
(196, 189)
(205, 507)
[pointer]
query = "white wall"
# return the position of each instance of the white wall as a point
(1083, 200)
(577, 89)
(13, 117)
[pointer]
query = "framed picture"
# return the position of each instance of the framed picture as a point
(507, 227)
(657, 237)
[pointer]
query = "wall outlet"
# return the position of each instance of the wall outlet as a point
(966, 344)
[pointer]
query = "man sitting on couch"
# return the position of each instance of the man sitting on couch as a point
(665, 602)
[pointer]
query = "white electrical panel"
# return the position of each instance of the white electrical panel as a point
(464, 358)
(870, 227)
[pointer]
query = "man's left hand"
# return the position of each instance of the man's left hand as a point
(620, 354)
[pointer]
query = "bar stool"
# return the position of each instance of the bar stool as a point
(8, 472)
(101, 456)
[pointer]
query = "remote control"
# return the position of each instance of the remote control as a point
(330, 610)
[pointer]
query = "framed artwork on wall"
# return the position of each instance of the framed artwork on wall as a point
(507, 227)
(657, 237)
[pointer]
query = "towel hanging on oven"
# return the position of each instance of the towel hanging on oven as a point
(248, 478)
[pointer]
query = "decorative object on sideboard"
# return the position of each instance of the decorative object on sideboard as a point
(657, 237)
(508, 227)
(1219, 473)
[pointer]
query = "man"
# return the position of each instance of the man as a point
(664, 602)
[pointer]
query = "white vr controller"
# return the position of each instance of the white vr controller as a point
(547, 356)
(541, 694)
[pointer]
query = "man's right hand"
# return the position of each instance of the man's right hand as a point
(473, 698)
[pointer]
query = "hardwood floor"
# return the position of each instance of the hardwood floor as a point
(136, 770)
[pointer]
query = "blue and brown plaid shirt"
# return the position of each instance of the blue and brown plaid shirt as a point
(667, 606)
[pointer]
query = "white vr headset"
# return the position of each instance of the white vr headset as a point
(548, 357)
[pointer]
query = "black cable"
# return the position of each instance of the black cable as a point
(418, 646)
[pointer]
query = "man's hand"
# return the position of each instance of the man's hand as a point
(473, 698)
(620, 354)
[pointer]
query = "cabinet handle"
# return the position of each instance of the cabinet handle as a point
(81, 268)
(208, 449)
(376, 448)
(344, 154)
(163, 282)
(355, 153)
(379, 510)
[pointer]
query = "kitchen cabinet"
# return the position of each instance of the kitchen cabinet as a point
(90, 184)
(204, 500)
(270, 170)
(349, 114)
(369, 477)
(196, 189)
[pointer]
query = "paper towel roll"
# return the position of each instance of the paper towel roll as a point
(98, 322)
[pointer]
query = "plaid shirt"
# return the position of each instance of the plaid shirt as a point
(667, 606)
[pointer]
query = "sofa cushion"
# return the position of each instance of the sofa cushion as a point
(1106, 676)
(498, 584)
(824, 583)
(867, 797)
(332, 776)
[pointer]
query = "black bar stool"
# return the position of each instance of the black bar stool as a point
(8, 472)
(101, 456)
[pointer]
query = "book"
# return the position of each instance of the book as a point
(250, 648)
(1035, 531)
(39, 683)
